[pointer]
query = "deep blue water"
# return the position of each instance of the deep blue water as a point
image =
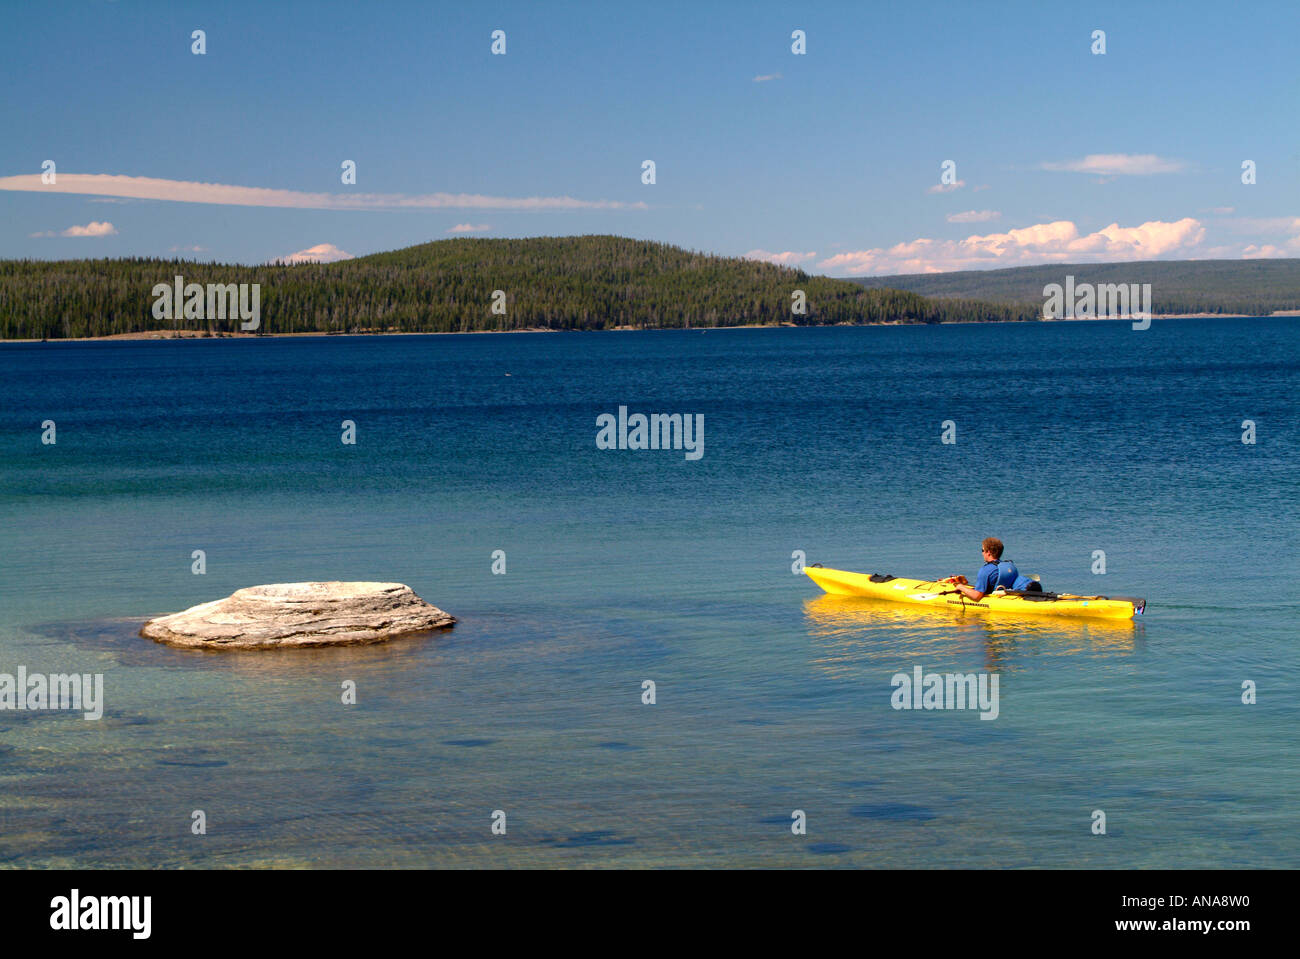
(624, 566)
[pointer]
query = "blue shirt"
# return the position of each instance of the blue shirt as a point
(993, 575)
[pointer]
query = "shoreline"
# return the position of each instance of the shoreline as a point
(240, 335)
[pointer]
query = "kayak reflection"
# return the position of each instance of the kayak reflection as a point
(849, 628)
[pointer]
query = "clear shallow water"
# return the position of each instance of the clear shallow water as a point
(625, 566)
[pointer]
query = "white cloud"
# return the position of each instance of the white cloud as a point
(94, 228)
(1118, 164)
(764, 77)
(181, 191)
(1059, 241)
(470, 228)
(320, 253)
(974, 216)
(787, 258)
(1221, 210)
(946, 187)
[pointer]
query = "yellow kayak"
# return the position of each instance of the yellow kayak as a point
(938, 594)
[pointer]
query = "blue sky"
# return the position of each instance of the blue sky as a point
(832, 162)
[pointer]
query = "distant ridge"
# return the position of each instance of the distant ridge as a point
(1251, 287)
(553, 283)
(589, 283)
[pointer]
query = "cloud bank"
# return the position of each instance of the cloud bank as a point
(1055, 242)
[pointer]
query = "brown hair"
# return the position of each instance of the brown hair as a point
(994, 546)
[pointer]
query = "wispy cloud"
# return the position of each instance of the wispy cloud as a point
(470, 228)
(974, 216)
(787, 258)
(1264, 224)
(764, 77)
(1118, 164)
(1265, 237)
(1261, 251)
(1285, 228)
(1221, 210)
(1056, 242)
(188, 249)
(320, 253)
(94, 228)
(182, 191)
(946, 187)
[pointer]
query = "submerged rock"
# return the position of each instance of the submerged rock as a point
(300, 614)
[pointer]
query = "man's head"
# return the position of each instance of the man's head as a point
(992, 549)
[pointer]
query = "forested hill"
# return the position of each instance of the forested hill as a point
(561, 283)
(1252, 287)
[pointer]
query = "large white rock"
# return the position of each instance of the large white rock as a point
(300, 614)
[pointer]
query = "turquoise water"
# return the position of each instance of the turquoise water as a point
(624, 566)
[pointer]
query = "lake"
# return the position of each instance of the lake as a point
(623, 566)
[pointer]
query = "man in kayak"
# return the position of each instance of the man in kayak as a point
(996, 573)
